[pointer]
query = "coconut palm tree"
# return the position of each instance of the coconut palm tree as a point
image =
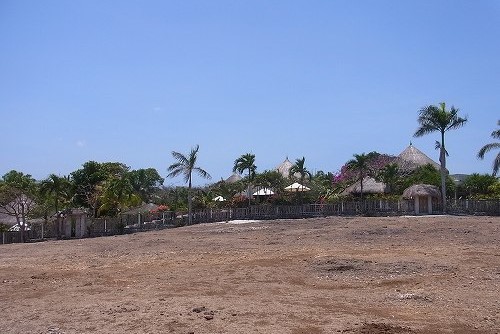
(57, 188)
(299, 168)
(488, 147)
(246, 163)
(186, 165)
(360, 164)
(439, 119)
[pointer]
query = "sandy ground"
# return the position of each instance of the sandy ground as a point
(328, 275)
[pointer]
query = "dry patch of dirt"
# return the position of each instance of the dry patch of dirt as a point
(326, 275)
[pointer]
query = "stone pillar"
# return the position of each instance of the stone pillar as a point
(417, 205)
(429, 204)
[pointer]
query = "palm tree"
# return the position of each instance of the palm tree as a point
(246, 163)
(186, 165)
(118, 194)
(56, 187)
(438, 119)
(299, 168)
(389, 175)
(360, 163)
(488, 147)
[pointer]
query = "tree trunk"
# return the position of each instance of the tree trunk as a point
(248, 190)
(442, 160)
(22, 223)
(190, 202)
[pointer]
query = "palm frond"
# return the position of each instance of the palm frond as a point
(201, 172)
(437, 146)
(181, 158)
(486, 148)
(496, 165)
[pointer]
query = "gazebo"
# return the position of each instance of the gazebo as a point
(411, 158)
(284, 168)
(233, 178)
(370, 186)
(424, 195)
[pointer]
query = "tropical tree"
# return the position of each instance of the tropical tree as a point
(88, 183)
(186, 165)
(145, 182)
(477, 184)
(117, 195)
(57, 189)
(299, 168)
(17, 193)
(246, 163)
(390, 176)
(360, 164)
(439, 119)
(488, 147)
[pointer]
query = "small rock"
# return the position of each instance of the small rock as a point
(209, 317)
(199, 309)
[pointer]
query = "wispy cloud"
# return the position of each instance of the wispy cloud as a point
(81, 143)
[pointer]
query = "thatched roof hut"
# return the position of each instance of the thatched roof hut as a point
(7, 219)
(412, 158)
(284, 168)
(370, 186)
(233, 178)
(422, 190)
(425, 197)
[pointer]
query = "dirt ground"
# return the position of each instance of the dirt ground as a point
(436, 274)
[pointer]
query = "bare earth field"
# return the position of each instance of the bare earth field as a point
(436, 274)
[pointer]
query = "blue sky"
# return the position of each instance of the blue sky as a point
(131, 81)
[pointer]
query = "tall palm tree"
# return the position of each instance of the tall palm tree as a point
(186, 165)
(438, 119)
(299, 168)
(488, 147)
(360, 164)
(55, 187)
(246, 163)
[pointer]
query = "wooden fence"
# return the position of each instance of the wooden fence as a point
(125, 224)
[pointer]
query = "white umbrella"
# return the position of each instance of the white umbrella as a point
(219, 199)
(263, 192)
(297, 187)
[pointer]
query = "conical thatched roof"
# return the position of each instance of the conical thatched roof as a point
(7, 219)
(421, 190)
(370, 186)
(412, 158)
(233, 178)
(284, 168)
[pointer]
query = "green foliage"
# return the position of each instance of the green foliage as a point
(299, 168)
(491, 146)
(186, 165)
(246, 163)
(17, 197)
(426, 174)
(391, 176)
(108, 188)
(439, 119)
(271, 179)
(478, 185)
(360, 164)
(56, 192)
(145, 182)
